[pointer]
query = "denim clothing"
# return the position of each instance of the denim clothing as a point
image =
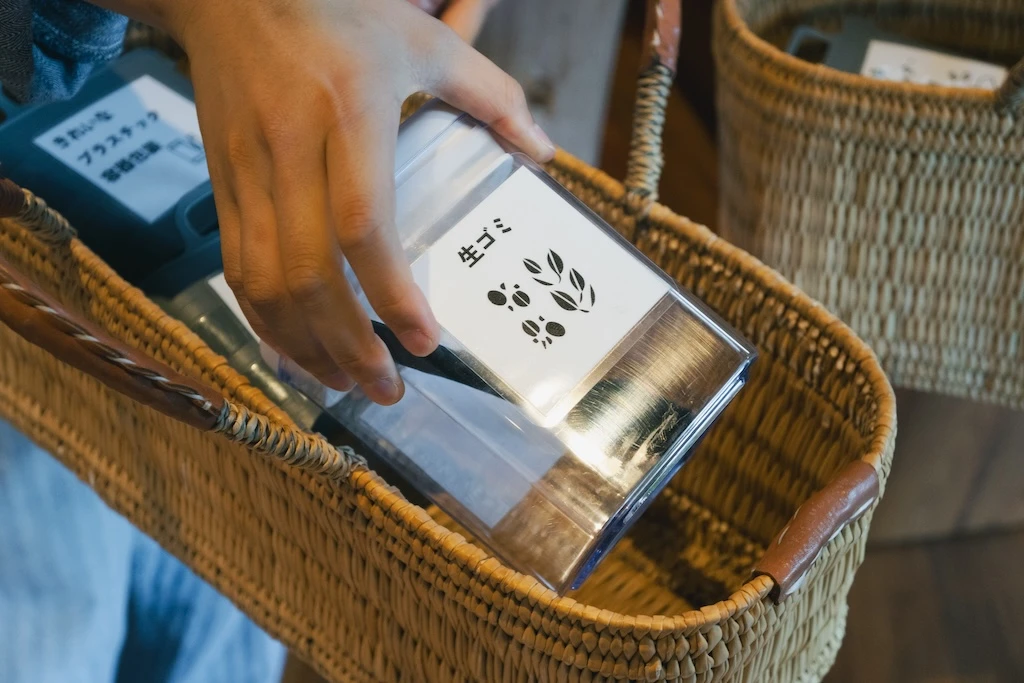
(87, 598)
(49, 47)
(84, 596)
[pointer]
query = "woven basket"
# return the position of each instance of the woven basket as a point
(748, 555)
(900, 207)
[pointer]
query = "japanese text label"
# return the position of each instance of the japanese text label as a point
(140, 144)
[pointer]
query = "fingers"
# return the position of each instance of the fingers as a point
(360, 178)
(466, 79)
(265, 288)
(285, 237)
(252, 262)
(313, 270)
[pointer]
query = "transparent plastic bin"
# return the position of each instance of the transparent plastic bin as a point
(574, 378)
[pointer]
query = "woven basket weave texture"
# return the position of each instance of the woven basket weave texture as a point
(898, 206)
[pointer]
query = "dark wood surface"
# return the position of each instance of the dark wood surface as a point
(959, 469)
(937, 613)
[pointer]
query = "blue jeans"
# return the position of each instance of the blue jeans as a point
(87, 598)
(49, 47)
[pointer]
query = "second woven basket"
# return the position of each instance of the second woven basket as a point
(898, 206)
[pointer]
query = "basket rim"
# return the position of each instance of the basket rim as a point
(485, 568)
(797, 72)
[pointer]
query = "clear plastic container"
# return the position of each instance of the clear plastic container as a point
(574, 377)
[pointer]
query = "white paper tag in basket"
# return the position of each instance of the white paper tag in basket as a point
(889, 61)
(140, 144)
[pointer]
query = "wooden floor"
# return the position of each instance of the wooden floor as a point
(937, 613)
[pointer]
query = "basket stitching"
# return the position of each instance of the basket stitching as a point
(48, 225)
(307, 452)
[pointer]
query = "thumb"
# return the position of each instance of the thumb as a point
(466, 79)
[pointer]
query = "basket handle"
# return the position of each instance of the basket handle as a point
(41, 320)
(820, 519)
(657, 73)
(1010, 95)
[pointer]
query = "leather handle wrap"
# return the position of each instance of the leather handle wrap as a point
(825, 514)
(662, 33)
(39, 319)
(658, 70)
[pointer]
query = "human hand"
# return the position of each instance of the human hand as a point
(299, 104)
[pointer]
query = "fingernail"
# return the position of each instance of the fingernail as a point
(544, 141)
(386, 390)
(418, 342)
(340, 381)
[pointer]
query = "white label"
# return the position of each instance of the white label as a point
(533, 290)
(894, 62)
(139, 144)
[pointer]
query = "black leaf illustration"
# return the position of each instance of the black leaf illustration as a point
(577, 280)
(564, 300)
(546, 284)
(593, 297)
(555, 261)
(532, 266)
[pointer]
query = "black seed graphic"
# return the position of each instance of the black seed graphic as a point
(554, 329)
(532, 266)
(593, 297)
(496, 297)
(521, 299)
(531, 328)
(564, 300)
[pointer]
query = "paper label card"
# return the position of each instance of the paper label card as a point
(139, 144)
